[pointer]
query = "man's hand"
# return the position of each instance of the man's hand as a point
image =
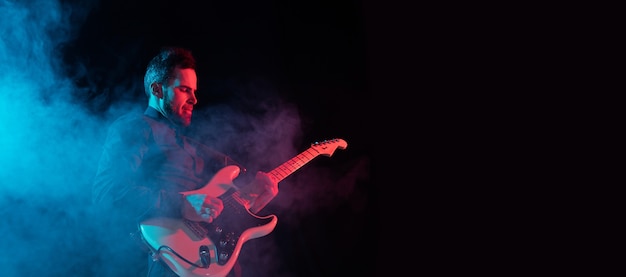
(260, 192)
(201, 207)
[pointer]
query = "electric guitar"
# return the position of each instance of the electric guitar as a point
(193, 249)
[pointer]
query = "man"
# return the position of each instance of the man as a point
(147, 163)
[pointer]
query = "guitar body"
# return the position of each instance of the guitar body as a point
(210, 249)
(194, 249)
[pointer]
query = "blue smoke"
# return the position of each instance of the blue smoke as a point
(47, 152)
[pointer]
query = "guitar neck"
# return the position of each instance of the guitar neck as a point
(326, 147)
(282, 171)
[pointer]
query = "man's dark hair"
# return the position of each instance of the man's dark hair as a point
(161, 68)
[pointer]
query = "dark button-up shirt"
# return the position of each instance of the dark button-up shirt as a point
(146, 162)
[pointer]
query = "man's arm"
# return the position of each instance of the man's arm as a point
(117, 182)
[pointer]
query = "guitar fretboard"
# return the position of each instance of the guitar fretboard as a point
(325, 147)
(295, 163)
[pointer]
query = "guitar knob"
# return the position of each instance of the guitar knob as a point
(223, 258)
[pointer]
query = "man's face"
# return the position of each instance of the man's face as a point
(180, 96)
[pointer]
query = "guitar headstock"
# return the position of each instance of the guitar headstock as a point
(328, 147)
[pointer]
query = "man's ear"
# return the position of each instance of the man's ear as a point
(157, 90)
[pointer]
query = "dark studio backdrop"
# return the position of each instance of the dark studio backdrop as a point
(273, 77)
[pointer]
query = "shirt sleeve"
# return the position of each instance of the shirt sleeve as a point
(118, 182)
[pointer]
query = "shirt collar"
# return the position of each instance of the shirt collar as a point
(153, 113)
(156, 115)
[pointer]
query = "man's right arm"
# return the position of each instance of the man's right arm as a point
(117, 183)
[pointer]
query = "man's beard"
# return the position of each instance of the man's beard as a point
(173, 116)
